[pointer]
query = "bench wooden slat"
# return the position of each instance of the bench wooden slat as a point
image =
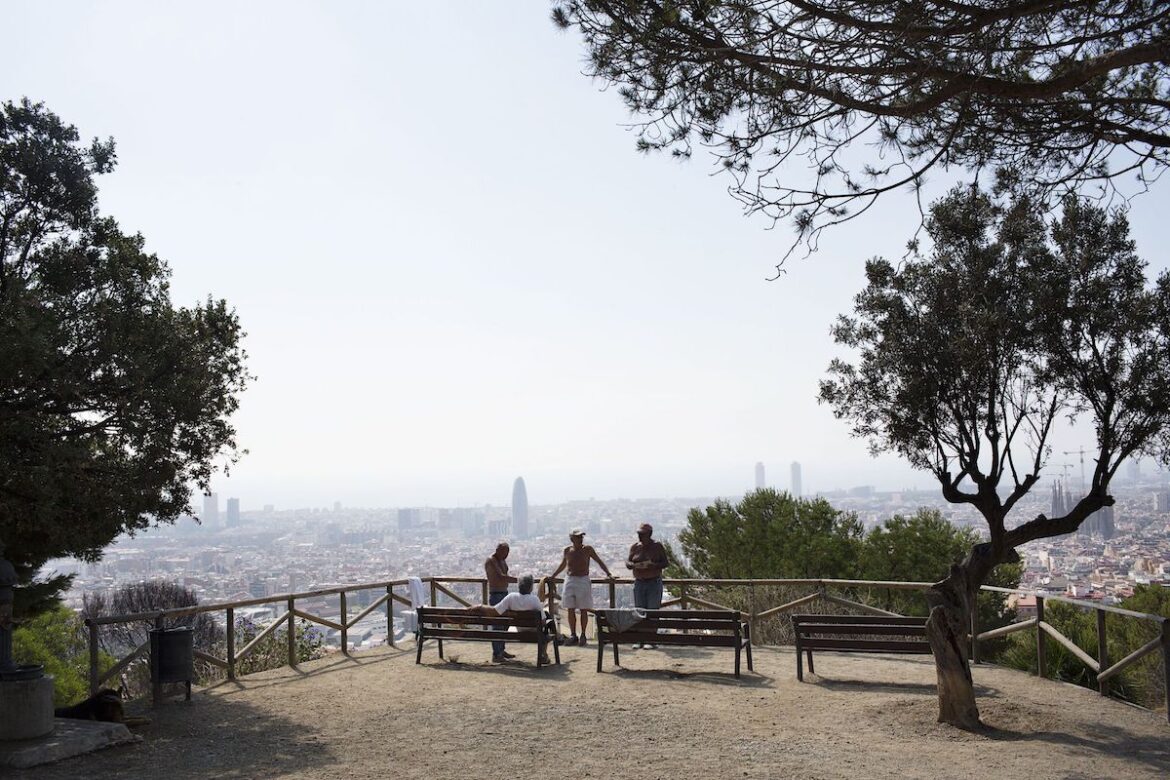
(691, 640)
(865, 645)
(691, 625)
(810, 629)
(483, 635)
(690, 614)
(478, 620)
(429, 616)
(860, 619)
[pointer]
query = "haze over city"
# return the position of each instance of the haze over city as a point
(452, 265)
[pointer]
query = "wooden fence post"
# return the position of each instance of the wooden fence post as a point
(231, 643)
(434, 595)
(390, 615)
(292, 632)
(484, 591)
(155, 687)
(612, 594)
(975, 629)
(682, 600)
(1041, 655)
(94, 672)
(1102, 651)
(1166, 663)
(344, 624)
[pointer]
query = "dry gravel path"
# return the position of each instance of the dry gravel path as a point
(672, 715)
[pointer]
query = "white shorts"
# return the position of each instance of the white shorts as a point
(578, 593)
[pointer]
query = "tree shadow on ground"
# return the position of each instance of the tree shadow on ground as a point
(208, 737)
(284, 674)
(514, 668)
(1107, 739)
(747, 680)
(872, 686)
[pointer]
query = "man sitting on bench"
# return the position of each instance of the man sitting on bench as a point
(523, 601)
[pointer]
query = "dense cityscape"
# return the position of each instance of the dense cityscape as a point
(235, 554)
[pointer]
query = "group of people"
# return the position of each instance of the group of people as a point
(647, 560)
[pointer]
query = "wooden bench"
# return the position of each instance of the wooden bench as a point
(857, 634)
(692, 627)
(441, 623)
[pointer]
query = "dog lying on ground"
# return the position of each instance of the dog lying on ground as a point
(105, 705)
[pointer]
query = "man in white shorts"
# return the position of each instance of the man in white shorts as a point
(578, 592)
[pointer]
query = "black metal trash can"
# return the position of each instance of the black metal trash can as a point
(172, 657)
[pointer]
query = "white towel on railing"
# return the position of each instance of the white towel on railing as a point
(418, 593)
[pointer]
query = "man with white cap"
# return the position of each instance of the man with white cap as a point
(578, 592)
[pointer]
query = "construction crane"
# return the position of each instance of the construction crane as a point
(1080, 452)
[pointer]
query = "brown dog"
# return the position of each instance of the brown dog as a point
(105, 705)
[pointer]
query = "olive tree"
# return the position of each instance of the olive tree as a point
(966, 359)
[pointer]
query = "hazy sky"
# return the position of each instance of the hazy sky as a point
(452, 265)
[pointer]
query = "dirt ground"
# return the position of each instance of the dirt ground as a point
(669, 714)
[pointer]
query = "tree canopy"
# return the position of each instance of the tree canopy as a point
(769, 534)
(968, 357)
(1067, 91)
(114, 403)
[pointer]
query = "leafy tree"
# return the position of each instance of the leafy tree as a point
(967, 357)
(922, 548)
(113, 401)
(1068, 91)
(771, 535)
(56, 639)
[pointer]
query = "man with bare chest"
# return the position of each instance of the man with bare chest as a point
(496, 570)
(578, 592)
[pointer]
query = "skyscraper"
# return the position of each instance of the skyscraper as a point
(233, 512)
(759, 476)
(519, 509)
(795, 487)
(210, 516)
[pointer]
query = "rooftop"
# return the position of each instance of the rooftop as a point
(673, 714)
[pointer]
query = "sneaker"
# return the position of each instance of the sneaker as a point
(544, 660)
(507, 655)
(583, 641)
(649, 647)
(572, 640)
(499, 659)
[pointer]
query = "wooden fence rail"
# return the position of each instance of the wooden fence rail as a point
(440, 588)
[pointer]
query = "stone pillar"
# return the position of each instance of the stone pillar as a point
(26, 695)
(26, 708)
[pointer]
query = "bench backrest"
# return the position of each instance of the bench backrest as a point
(434, 616)
(805, 625)
(683, 619)
(864, 633)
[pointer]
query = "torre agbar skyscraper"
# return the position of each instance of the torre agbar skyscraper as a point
(519, 509)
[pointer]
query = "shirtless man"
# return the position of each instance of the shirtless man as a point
(647, 560)
(578, 595)
(496, 569)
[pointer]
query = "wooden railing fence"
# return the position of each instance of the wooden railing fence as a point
(683, 593)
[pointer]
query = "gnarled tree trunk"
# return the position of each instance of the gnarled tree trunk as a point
(951, 602)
